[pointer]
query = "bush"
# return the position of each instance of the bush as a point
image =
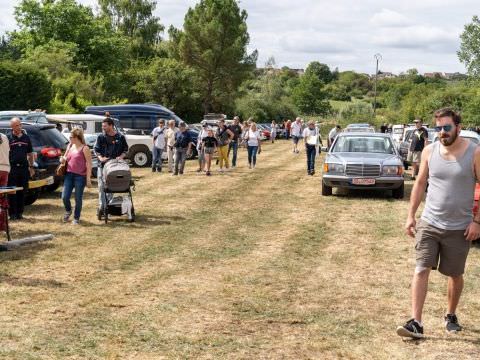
(23, 87)
(357, 112)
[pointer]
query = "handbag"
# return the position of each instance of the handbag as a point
(61, 169)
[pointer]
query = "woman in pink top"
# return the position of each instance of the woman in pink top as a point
(79, 170)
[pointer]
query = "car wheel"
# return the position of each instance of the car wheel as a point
(326, 190)
(31, 197)
(399, 193)
(140, 157)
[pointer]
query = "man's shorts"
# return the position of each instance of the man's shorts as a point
(414, 157)
(446, 250)
(295, 139)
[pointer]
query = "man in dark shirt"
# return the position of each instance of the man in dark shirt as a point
(183, 146)
(21, 162)
(236, 129)
(110, 145)
(419, 141)
(383, 128)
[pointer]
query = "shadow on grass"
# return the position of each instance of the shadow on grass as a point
(31, 282)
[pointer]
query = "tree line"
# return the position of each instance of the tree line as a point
(64, 56)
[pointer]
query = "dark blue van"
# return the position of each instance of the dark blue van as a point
(135, 116)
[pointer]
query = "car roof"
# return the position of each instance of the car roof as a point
(148, 108)
(365, 134)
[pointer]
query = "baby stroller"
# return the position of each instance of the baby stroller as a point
(117, 184)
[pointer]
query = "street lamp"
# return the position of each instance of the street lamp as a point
(377, 58)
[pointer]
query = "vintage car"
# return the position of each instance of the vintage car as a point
(363, 161)
(406, 141)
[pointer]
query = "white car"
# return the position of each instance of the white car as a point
(139, 146)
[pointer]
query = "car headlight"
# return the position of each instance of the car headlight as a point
(391, 170)
(333, 168)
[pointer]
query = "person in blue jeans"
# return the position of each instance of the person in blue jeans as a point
(158, 145)
(252, 138)
(78, 175)
(311, 137)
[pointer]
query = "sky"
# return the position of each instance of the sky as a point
(421, 34)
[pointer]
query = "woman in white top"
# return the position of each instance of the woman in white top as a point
(252, 138)
(311, 137)
(273, 132)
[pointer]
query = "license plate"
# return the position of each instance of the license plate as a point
(363, 181)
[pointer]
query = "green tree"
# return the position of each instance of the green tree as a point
(23, 87)
(98, 47)
(214, 43)
(321, 71)
(469, 52)
(170, 83)
(357, 112)
(309, 96)
(135, 20)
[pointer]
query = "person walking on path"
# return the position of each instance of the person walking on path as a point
(159, 144)
(311, 137)
(273, 131)
(288, 128)
(296, 133)
(78, 174)
(110, 145)
(21, 158)
(333, 134)
(254, 146)
(183, 148)
(224, 136)
(236, 129)
(209, 145)
(170, 135)
(419, 140)
(447, 226)
(200, 148)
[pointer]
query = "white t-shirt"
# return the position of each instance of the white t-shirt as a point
(203, 134)
(160, 134)
(296, 129)
(333, 134)
(4, 154)
(253, 137)
(310, 136)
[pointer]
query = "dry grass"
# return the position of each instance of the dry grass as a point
(249, 264)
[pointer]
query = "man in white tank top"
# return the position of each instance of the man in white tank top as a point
(447, 226)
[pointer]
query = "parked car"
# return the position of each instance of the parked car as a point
(467, 134)
(397, 133)
(27, 116)
(353, 129)
(139, 146)
(363, 161)
(135, 116)
(407, 141)
(48, 145)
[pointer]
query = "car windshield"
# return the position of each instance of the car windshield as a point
(364, 144)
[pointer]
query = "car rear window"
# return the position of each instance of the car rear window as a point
(52, 138)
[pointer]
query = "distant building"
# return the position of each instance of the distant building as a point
(385, 75)
(434, 75)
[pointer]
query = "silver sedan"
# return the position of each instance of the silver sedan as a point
(363, 161)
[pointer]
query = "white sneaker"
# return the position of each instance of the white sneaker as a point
(75, 222)
(220, 170)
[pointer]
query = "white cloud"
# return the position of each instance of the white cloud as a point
(389, 18)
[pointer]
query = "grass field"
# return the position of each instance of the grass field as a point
(245, 265)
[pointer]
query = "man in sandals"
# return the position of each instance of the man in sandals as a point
(447, 226)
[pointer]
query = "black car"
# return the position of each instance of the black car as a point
(48, 145)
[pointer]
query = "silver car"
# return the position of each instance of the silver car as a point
(363, 161)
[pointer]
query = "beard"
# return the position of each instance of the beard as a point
(448, 140)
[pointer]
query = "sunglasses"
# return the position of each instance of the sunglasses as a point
(445, 128)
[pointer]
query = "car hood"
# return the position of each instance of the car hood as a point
(367, 158)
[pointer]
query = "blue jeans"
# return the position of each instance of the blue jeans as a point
(233, 146)
(252, 155)
(311, 153)
(157, 158)
(70, 182)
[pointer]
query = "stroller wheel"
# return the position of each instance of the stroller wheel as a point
(99, 214)
(132, 216)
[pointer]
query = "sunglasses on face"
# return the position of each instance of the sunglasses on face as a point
(445, 128)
